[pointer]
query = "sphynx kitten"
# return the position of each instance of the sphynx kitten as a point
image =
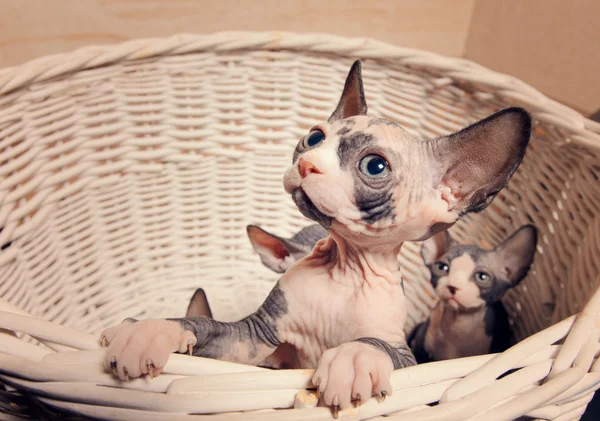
(470, 282)
(342, 308)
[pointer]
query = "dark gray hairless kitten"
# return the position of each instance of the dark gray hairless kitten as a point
(342, 309)
(470, 282)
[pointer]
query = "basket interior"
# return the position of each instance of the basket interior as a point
(126, 187)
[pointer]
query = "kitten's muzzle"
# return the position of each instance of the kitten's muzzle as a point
(306, 167)
(308, 209)
(291, 179)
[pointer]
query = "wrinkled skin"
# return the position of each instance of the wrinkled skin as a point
(342, 309)
(470, 283)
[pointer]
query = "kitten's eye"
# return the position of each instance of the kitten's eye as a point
(314, 138)
(482, 278)
(442, 267)
(374, 166)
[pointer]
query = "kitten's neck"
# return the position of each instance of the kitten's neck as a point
(355, 266)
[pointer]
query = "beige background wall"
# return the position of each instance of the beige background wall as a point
(552, 44)
(31, 28)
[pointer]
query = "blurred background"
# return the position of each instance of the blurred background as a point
(553, 45)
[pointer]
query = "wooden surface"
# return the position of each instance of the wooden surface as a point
(33, 28)
(553, 45)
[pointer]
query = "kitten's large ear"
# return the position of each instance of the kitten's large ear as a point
(516, 253)
(353, 100)
(478, 161)
(435, 247)
(275, 253)
(199, 305)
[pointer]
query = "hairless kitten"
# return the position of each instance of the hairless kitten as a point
(342, 308)
(470, 282)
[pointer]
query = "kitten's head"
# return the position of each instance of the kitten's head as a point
(468, 277)
(359, 175)
(279, 254)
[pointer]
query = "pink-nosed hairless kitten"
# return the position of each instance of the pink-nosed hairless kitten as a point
(470, 282)
(341, 309)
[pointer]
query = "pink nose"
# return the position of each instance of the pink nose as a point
(307, 168)
(452, 289)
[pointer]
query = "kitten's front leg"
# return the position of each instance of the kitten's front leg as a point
(358, 370)
(144, 347)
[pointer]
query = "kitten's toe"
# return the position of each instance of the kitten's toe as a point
(117, 338)
(108, 335)
(128, 362)
(321, 376)
(157, 354)
(341, 376)
(381, 374)
(129, 366)
(187, 342)
(362, 387)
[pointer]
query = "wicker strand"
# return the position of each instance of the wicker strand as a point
(129, 173)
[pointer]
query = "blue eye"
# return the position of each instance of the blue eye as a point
(374, 166)
(314, 138)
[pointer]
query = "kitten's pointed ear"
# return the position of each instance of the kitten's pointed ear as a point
(353, 100)
(435, 247)
(199, 305)
(474, 164)
(275, 253)
(517, 252)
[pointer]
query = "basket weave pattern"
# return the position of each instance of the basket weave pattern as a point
(129, 174)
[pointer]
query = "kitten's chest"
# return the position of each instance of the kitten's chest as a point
(455, 336)
(324, 314)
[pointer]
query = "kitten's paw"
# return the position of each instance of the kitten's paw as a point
(354, 371)
(143, 347)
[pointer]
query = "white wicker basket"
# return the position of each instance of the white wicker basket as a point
(128, 174)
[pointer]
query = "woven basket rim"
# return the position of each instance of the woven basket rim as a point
(569, 371)
(582, 129)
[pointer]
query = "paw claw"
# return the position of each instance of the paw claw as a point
(113, 365)
(150, 367)
(104, 341)
(190, 348)
(357, 400)
(125, 374)
(382, 396)
(336, 411)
